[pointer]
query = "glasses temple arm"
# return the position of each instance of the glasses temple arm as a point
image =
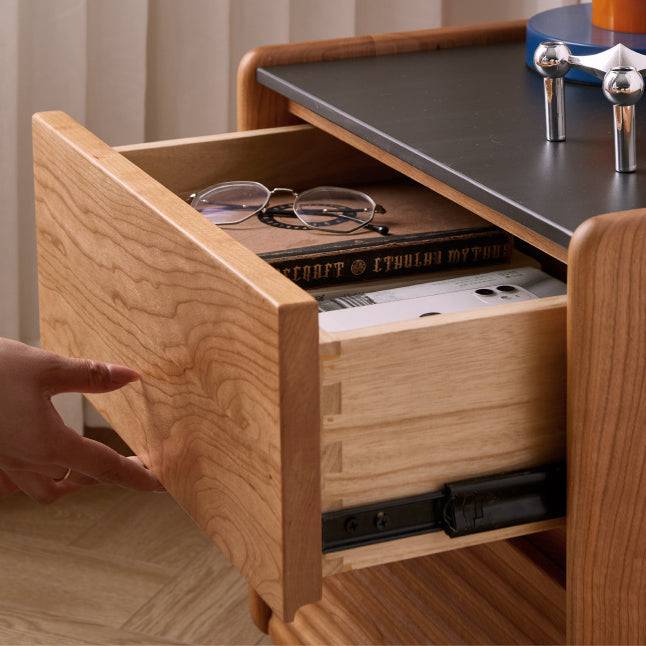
(377, 228)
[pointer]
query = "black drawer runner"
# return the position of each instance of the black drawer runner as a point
(459, 508)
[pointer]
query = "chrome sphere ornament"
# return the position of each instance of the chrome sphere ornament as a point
(552, 59)
(622, 71)
(623, 86)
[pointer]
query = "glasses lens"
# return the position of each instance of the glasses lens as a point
(231, 202)
(334, 209)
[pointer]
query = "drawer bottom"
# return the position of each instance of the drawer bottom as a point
(501, 593)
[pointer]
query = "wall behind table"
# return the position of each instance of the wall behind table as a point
(142, 70)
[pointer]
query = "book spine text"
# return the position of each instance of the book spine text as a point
(434, 255)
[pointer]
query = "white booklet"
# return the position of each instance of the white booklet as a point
(357, 310)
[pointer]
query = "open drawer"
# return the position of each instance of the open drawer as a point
(254, 421)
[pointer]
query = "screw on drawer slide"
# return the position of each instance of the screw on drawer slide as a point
(459, 508)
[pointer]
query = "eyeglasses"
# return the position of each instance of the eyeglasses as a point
(325, 208)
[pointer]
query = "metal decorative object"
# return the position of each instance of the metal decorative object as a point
(621, 70)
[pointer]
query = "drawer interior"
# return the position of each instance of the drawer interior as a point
(300, 157)
(408, 407)
(405, 407)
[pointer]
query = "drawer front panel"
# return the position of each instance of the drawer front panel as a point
(227, 349)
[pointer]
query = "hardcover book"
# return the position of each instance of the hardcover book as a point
(426, 233)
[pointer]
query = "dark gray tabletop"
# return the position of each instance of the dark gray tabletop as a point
(473, 118)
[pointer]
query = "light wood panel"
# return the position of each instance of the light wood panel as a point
(282, 633)
(80, 581)
(410, 406)
(300, 157)
(490, 594)
(415, 546)
(497, 218)
(206, 593)
(34, 570)
(606, 544)
(143, 528)
(227, 349)
(547, 549)
(259, 107)
(19, 627)
(61, 523)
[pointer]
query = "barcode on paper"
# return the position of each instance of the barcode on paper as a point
(344, 302)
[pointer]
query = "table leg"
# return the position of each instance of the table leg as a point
(606, 523)
(260, 612)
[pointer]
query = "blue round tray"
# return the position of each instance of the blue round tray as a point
(573, 25)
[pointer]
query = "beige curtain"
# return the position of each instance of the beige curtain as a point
(137, 70)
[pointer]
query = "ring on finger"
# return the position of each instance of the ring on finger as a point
(65, 477)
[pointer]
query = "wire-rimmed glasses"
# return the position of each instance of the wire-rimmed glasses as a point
(325, 208)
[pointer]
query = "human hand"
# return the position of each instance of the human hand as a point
(36, 447)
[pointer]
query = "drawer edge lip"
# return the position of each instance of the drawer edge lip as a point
(329, 340)
(423, 544)
(222, 136)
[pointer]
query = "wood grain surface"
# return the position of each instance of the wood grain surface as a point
(300, 157)
(227, 349)
(259, 107)
(434, 543)
(109, 566)
(408, 407)
(606, 540)
(259, 611)
(547, 549)
(489, 594)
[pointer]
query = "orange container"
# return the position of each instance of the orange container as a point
(620, 15)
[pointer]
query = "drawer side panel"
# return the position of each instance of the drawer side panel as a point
(442, 399)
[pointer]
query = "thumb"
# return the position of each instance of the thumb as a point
(86, 376)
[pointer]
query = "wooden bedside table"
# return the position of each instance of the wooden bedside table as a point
(257, 422)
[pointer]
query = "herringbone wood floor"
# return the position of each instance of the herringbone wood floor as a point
(110, 566)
